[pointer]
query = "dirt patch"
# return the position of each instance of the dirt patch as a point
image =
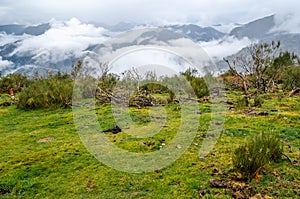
(49, 139)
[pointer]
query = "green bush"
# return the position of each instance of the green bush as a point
(258, 101)
(291, 78)
(197, 83)
(251, 157)
(15, 81)
(5, 100)
(52, 92)
(241, 102)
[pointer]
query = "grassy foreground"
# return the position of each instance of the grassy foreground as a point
(42, 156)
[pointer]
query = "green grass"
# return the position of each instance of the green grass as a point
(63, 168)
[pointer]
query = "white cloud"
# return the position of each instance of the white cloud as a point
(218, 49)
(204, 12)
(289, 22)
(225, 28)
(6, 39)
(176, 55)
(61, 41)
(5, 64)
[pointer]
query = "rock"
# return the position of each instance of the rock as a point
(201, 193)
(204, 99)
(198, 112)
(216, 171)
(114, 130)
(250, 111)
(143, 143)
(148, 143)
(229, 102)
(216, 183)
(217, 193)
(264, 113)
(294, 92)
(158, 117)
(206, 136)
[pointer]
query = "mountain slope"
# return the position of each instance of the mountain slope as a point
(56, 46)
(21, 29)
(256, 29)
(197, 33)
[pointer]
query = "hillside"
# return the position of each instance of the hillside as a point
(42, 156)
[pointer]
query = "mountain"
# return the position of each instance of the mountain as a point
(262, 31)
(22, 55)
(37, 30)
(288, 42)
(119, 27)
(12, 29)
(21, 29)
(23, 48)
(256, 29)
(197, 33)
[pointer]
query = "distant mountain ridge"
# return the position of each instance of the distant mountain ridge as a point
(196, 32)
(21, 29)
(256, 29)
(261, 30)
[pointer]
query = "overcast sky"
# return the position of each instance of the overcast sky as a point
(201, 12)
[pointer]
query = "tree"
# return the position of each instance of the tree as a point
(253, 66)
(133, 77)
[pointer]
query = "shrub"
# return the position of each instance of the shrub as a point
(13, 81)
(52, 92)
(197, 83)
(241, 102)
(200, 87)
(291, 78)
(250, 158)
(5, 100)
(258, 101)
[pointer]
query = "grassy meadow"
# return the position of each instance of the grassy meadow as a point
(42, 155)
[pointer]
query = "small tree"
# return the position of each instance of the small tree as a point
(253, 66)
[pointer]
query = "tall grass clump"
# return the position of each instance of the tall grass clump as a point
(250, 158)
(51, 92)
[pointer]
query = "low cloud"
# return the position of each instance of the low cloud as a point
(288, 22)
(204, 12)
(61, 41)
(218, 49)
(7, 39)
(5, 64)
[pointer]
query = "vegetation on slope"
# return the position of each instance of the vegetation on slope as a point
(257, 154)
